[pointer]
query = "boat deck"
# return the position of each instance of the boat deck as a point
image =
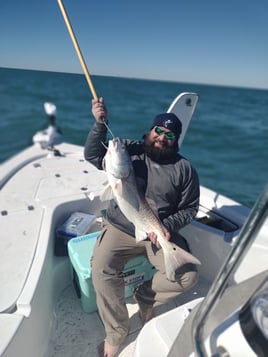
(44, 188)
(76, 333)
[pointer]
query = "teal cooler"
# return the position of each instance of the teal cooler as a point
(80, 250)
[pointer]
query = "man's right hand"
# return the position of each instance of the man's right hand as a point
(99, 110)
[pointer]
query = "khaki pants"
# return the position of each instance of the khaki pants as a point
(113, 250)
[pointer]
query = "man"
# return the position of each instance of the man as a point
(169, 181)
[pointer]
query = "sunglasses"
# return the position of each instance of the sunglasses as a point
(168, 135)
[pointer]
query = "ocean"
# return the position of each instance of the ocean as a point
(227, 140)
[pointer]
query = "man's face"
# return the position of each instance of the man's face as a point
(160, 144)
(161, 137)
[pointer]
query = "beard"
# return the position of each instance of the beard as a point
(159, 155)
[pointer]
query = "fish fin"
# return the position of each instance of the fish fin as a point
(107, 194)
(140, 235)
(175, 258)
(118, 187)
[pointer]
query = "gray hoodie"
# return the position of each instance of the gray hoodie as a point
(172, 187)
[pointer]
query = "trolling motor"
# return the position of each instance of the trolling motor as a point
(52, 135)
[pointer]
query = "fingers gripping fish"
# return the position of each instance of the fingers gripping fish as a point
(123, 188)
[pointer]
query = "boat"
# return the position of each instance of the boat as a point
(42, 312)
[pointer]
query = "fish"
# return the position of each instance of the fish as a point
(122, 186)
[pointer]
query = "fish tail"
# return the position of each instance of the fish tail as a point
(175, 258)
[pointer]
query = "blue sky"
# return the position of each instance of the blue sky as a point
(200, 41)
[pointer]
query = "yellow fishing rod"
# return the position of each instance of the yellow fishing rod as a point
(80, 56)
(77, 49)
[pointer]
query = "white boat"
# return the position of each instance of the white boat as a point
(41, 314)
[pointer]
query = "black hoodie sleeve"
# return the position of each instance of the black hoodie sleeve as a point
(94, 150)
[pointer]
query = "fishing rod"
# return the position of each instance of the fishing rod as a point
(77, 49)
(80, 56)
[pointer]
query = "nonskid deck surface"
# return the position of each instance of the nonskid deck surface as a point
(76, 333)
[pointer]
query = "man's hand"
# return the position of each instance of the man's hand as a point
(99, 110)
(153, 237)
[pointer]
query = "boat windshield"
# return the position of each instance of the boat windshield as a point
(244, 270)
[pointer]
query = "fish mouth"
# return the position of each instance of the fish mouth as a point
(117, 144)
(119, 170)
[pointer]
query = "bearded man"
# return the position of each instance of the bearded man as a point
(171, 185)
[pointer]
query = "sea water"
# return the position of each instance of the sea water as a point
(227, 140)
